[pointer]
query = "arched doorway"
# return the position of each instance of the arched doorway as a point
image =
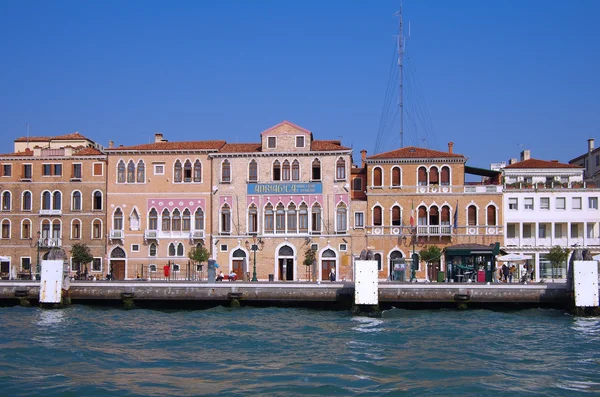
(239, 264)
(285, 261)
(397, 266)
(328, 260)
(117, 263)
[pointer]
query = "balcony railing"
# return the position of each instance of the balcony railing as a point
(117, 234)
(50, 212)
(49, 242)
(549, 185)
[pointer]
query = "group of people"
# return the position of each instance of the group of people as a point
(506, 273)
(232, 276)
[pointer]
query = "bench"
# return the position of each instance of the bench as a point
(226, 278)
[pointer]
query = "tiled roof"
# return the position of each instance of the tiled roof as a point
(193, 145)
(26, 153)
(240, 148)
(321, 146)
(66, 137)
(285, 122)
(413, 152)
(535, 163)
(88, 151)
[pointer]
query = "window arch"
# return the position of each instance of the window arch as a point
(121, 172)
(396, 216)
(253, 219)
(97, 200)
(316, 218)
(292, 221)
(422, 216)
(341, 217)
(434, 176)
(118, 219)
(225, 219)
(340, 170)
(434, 215)
(377, 257)
(286, 171)
(422, 176)
(280, 218)
(225, 171)
(5, 228)
(131, 172)
(118, 252)
(268, 223)
(187, 171)
(396, 176)
(26, 229)
(445, 220)
(45, 229)
(303, 218)
(276, 170)
(153, 219)
(197, 171)
(134, 220)
(186, 221)
(377, 216)
(57, 200)
(295, 170)
(166, 220)
(286, 250)
(472, 215)
(377, 176)
(76, 200)
(96, 229)
(75, 229)
(180, 249)
(199, 219)
(46, 200)
(445, 176)
(253, 171)
(141, 172)
(152, 250)
(172, 249)
(177, 172)
(491, 215)
(6, 201)
(316, 170)
(176, 221)
(26, 202)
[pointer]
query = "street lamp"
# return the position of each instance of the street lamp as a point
(257, 245)
(414, 257)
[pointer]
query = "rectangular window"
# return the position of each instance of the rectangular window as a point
(271, 142)
(574, 230)
(6, 170)
(593, 203)
(558, 230)
(357, 184)
(46, 169)
(513, 203)
(159, 169)
(300, 141)
(76, 171)
(560, 203)
(576, 203)
(57, 171)
(135, 248)
(25, 264)
(545, 203)
(97, 169)
(97, 265)
(343, 247)
(527, 233)
(76, 230)
(223, 247)
(511, 230)
(542, 230)
(359, 220)
(528, 203)
(303, 221)
(597, 160)
(27, 172)
(314, 247)
(591, 230)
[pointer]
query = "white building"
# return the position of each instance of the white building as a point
(590, 161)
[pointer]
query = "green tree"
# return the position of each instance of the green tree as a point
(198, 254)
(430, 254)
(310, 255)
(81, 255)
(557, 256)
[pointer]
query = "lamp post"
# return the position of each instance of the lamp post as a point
(255, 247)
(414, 257)
(37, 266)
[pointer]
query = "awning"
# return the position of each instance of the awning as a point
(514, 258)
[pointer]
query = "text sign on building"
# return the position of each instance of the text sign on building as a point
(285, 188)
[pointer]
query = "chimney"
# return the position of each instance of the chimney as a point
(111, 144)
(363, 156)
(512, 161)
(525, 155)
(590, 145)
(450, 145)
(158, 137)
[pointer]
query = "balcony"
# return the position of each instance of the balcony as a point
(50, 212)
(150, 234)
(196, 234)
(50, 242)
(116, 234)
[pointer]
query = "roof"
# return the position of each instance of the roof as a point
(240, 148)
(166, 145)
(469, 248)
(322, 146)
(535, 163)
(413, 152)
(66, 137)
(26, 153)
(88, 151)
(288, 123)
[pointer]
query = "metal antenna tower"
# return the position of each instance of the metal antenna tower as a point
(400, 65)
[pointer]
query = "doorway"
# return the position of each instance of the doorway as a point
(285, 262)
(117, 269)
(328, 261)
(238, 264)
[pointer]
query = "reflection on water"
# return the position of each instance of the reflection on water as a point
(274, 351)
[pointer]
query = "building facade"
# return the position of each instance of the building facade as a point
(590, 162)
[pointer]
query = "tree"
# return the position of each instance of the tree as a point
(557, 256)
(429, 254)
(198, 254)
(81, 255)
(310, 255)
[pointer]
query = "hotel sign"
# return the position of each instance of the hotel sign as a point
(285, 188)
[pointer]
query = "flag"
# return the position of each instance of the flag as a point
(456, 216)
(412, 215)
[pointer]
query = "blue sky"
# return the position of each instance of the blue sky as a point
(492, 76)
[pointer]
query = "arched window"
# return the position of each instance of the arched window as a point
(186, 225)
(134, 220)
(56, 227)
(199, 219)
(276, 170)
(180, 249)
(118, 253)
(472, 215)
(6, 201)
(131, 172)
(172, 249)
(97, 200)
(46, 200)
(268, 224)
(76, 229)
(286, 170)
(445, 220)
(152, 250)
(286, 250)
(422, 216)
(57, 200)
(141, 172)
(295, 170)
(280, 219)
(76, 201)
(187, 171)
(396, 216)
(177, 172)
(292, 222)
(253, 171)
(434, 176)
(445, 177)
(422, 176)
(316, 170)
(121, 172)
(225, 171)
(377, 216)
(27, 204)
(225, 219)
(118, 219)
(153, 220)
(377, 177)
(316, 218)
(96, 229)
(434, 216)
(396, 176)
(197, 171)
(340, 170)
(303, 218)
(377, 257)
(491, 215)
(341, 218)
(5, 229)
(26, 229)
(166, 220)
(176, 220)
(45, 229)
(252, 219)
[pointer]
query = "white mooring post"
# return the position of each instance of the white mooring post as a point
(51, 281)
(585, 283)
(366, 283)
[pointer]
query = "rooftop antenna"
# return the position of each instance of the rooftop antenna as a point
(27, 126)
(400, 42)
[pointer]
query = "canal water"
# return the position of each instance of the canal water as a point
(90, 351)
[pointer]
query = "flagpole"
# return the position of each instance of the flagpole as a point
(414, 238)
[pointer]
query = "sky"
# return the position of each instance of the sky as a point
(494, 77)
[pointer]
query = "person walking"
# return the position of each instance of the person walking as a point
(505, 273)
(332, 274)
(511, 273)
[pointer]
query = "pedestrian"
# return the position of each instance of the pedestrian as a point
(505, 273)
(332, 274)
(511, 273)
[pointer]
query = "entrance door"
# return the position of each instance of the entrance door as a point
(118, 269)
(286, 269)
(238, 268)
(326, 267)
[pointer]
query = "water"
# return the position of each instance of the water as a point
(87, 351)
